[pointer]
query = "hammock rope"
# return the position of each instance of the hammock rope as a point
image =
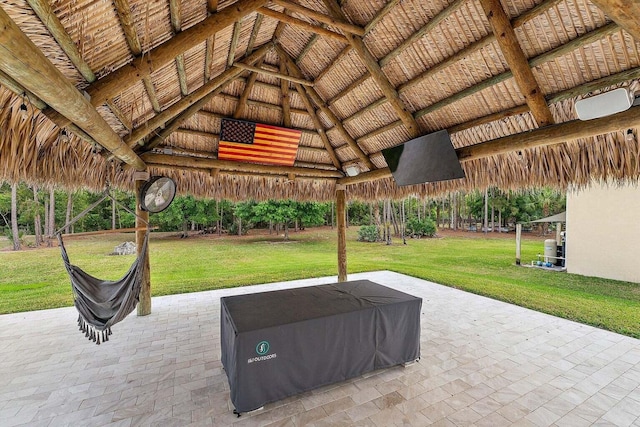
(103, 303)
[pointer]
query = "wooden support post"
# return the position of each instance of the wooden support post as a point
(518, 242)
(144, 305)
(341, 213)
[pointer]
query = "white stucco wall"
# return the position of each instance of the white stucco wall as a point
(603, 232)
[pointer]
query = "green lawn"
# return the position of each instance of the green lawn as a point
(35, 279)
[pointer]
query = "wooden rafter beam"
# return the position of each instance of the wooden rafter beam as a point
(182, 75)
(274, 74)
(123, 9)
(24, 61)
(315, 97)
(318, 125)
(242, 102)
(235, 37)
(126, 121)
(429, 26)
(254, 33)
(517, 61)
(282, 17)
(142, 66)
(307, 48)
(197, 96)
(378, 75)
(43, 9)
(212, 7)
(343, 54)
(344, 25)
(380, 16)
(61, 121)
(625, 13)
(175, 14)
(227, 165)
(578, 42)
(286, 101)
(151, 92)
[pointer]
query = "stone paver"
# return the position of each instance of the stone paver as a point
(483, 363)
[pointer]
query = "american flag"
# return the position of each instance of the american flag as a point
(257, 143)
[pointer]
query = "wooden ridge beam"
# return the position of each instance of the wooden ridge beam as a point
(552, 135)
(433, 23)
(282, 17)
(204, 92)
(344, 25)
(228, 165)
(378, 75)
(517, 61)
(142, 66)
(380, 16)
(625, 13)
(315, 97)
(26, 64)
(43, 9)
(274, 74)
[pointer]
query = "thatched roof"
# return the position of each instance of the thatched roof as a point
(159, 75)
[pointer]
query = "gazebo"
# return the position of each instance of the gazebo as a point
(115, 91)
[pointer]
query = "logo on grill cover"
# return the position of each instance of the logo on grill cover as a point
(262, 348)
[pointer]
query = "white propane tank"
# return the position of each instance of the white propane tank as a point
(550, 250)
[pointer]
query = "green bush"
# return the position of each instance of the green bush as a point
(368, 233)
(420, 228)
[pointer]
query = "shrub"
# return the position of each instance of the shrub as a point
(368, 233)
(419, 228)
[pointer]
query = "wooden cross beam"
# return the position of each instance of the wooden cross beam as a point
(228, 165)
(286, 102)
(212, 7)
(235, 37)
(274, 74)
(513, 54)
(282, 17)
(541, 137)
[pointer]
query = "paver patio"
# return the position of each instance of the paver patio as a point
(484, 363)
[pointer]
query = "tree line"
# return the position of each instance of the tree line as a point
(32, 210)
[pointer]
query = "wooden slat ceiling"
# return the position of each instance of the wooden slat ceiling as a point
(356, 77)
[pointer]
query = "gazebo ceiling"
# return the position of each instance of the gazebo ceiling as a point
(144, 84)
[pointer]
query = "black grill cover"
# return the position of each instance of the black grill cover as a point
(276, 344)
